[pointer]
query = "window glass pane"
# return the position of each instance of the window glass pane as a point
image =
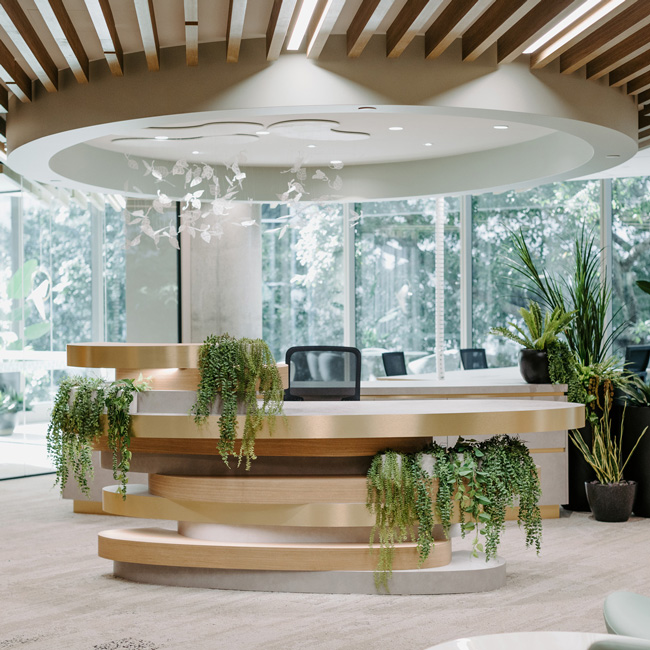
(550, 217)
(395, 283)
(115, 274)
(302, 271)
(630, 254)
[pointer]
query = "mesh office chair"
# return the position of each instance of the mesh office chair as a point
(394, 363)
(636, 360)
(473, 358)
(323, 372)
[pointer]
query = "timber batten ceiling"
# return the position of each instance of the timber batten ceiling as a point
(40, 38)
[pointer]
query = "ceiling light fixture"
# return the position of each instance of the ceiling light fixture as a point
(367, 108)
(336, 162)
(395, 128)
(578, 28)
(262, 132)
(195, 153)
(613, 155)
(428, 144)
(161, 137)
(311, 146)
(302, 23)
(500, 127)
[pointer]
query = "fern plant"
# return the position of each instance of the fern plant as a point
(235, 370)
(542, 330)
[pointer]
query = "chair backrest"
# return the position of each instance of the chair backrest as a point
(394, 363)
(473, 358)
(323, 372)
(636, 359)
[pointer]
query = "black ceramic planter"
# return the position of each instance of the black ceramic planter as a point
(533, 365)
(611, 502)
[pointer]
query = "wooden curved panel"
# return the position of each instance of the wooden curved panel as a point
(155, 546)
(142, 504)
(340, 448)
(137, 356)
(260, 489)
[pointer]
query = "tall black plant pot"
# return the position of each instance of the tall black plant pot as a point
(533, 366)
(637, 418)
(580, 472)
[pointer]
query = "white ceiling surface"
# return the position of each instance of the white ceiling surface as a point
(638, 165)
(221, 142)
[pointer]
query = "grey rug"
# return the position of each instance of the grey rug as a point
(56, 593)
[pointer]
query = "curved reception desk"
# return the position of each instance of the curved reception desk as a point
(297, 521)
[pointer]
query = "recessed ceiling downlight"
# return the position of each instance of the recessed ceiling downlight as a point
(613, 155)
(367, 108)
(262, 132)
(395, 128)
(161, 137)
(311, 146)
(500, 127)
(336, 162)
(428, 144)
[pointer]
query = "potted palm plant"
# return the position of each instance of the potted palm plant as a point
(540, 339)
(610, 496)
(11, 403)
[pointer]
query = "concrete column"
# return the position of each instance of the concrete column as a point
(225, 284)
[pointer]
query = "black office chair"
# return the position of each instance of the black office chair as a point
(323, 372)
(394, 363)
(473, 358)
(636, 360)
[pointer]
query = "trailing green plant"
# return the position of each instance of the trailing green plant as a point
(118, 402)
(482, 479)
(605, 455)
(542, 330)
(562, 363)
(581, 292)
(75, 424)
(236, 370)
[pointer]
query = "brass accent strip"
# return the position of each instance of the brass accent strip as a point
(381, 425)
(549, 450)
(87, 507)
(406, 395)
(126, 356)
(167, 548)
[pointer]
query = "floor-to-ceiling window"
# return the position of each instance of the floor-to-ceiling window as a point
(630, 259)
(395, 283)
(550, 217)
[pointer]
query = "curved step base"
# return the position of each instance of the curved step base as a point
(162, 547)
(464, 574)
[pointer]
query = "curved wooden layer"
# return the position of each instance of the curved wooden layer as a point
(133, 356)
(260, 489)
(340, 448)
(142, 504)
(382, 419)
(167, 548)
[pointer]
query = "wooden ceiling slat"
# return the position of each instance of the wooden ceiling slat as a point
(493, 24)
(644, 121)
(279, 22)
(452, 24)
(615, 30)
(236, 17)
(365, 24)
(412, 18)
(58, 22)
(18, 28)
(104, 23)
(4, 99)
(543, 17)
(324, 27)
(589, 24)
(639, 84)
(147, 24)
(637, 66)
(620, 54)
(191, 32)
(643, 98)
(14, 77)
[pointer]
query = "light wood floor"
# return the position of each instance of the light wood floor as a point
(56, 593)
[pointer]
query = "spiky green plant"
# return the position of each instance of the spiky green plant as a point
(582, 292)
(542, 330)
